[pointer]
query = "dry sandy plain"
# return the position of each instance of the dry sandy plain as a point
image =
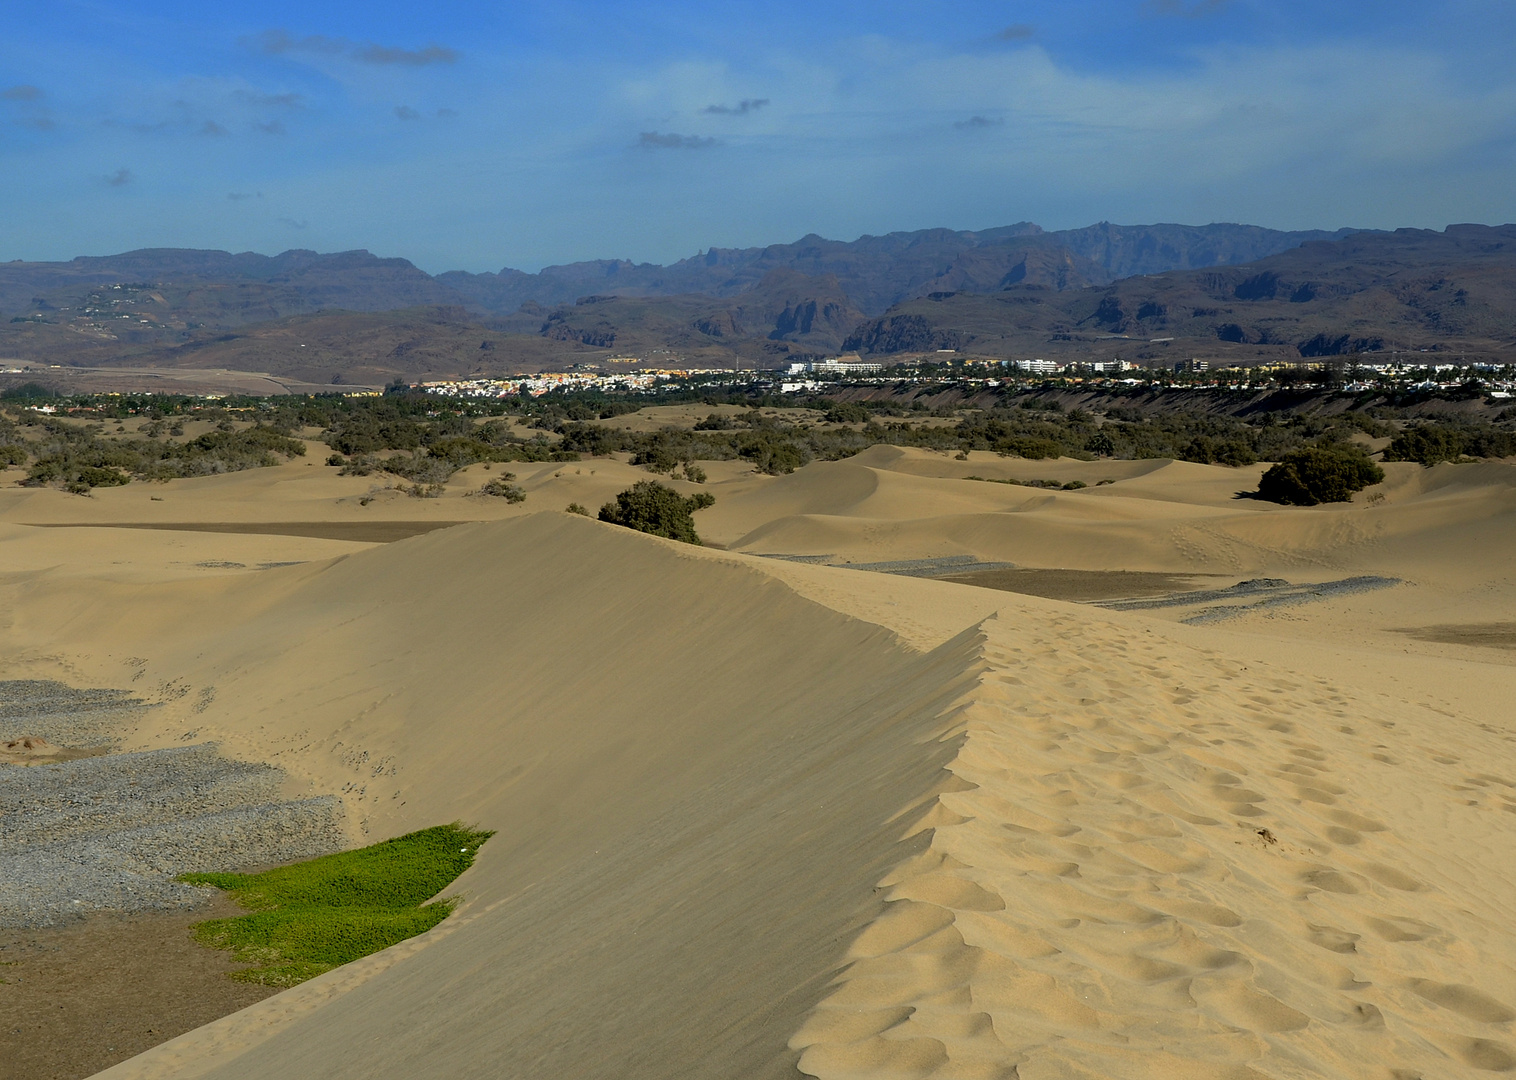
(761, 817)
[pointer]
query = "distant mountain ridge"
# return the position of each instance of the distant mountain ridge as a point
(877, 271)
(1140, 292)
(1413, 289)
(874, 271)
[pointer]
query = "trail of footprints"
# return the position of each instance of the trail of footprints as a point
(1132, 878)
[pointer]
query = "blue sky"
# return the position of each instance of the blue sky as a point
(475, 136)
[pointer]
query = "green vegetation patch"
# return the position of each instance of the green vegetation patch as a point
(316, 915)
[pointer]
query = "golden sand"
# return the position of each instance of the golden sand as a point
(766, 818)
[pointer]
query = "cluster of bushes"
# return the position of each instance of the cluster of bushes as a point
(1431, 443)
(777, 447)
(79, 460)
(430, 449)
(771, 446)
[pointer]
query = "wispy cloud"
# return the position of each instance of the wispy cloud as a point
(974, 122)
(268, 127)
(210, 127)
(279, 42)
(654, 140)
(292, 223)
(742, 108)
(1016, 32)
(271, 101)
(405, 112)
(21, 93)
(120, 178)
(431, 54)
(1186, 9)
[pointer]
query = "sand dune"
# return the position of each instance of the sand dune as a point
(758, 817)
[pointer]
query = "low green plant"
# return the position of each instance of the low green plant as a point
(310, 917)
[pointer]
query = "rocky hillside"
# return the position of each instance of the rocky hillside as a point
(1413, 289)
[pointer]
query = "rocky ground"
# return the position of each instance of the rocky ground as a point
(112, 832)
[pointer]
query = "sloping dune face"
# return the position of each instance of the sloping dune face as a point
(697, 778)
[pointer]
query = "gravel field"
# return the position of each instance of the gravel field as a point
(110, 833)
(64, 715)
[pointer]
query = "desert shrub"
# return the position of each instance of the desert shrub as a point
(663, 452)
(773, 454)
(502, 487)
(359, 465)
(649, 507)
(1208, 450)
(1425, 443)
(847, 412)
(461, 451)
(95, 477)
(694, 473)
(368, 431)
(714, 422)
(13, 454)
(1319, 474)
(420, 467)
(577, 508)
(316, 915)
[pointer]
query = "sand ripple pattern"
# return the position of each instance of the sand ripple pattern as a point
(1221, 879)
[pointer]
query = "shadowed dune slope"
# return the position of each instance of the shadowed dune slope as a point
(697, 778)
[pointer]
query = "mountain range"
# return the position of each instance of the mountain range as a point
(1222, 290)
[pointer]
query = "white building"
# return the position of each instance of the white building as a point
(834, 367)
(1035, 367)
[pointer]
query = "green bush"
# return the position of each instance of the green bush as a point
(649, 507)
(773, 455)
(1430, 443)
(847, 412)
(1427, 444)
(1319, 474)
(502, 487)
(94, 477)
(313, 916)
